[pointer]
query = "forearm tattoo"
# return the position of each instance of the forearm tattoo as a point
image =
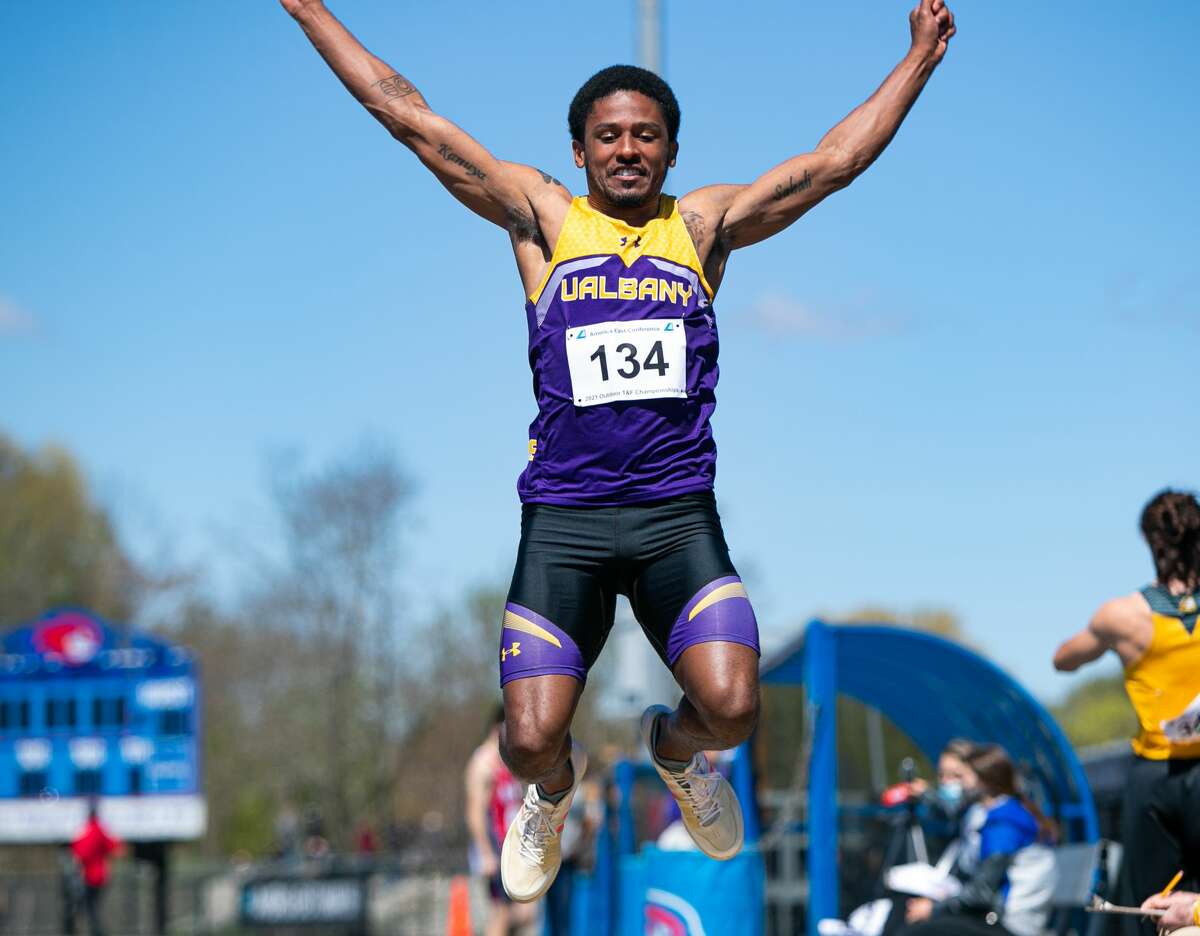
(395, 86)
(450, 156)
(793, 186)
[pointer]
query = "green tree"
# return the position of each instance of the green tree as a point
(57, 546)
(337, 596)
(301, 674)
(932, 620)
(1097, 711)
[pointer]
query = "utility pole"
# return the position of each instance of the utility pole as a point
(650, 35)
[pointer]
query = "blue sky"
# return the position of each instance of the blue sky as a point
(953, 384)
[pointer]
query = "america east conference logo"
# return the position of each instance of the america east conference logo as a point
(663, 922)
(70, 636)
(669, 914)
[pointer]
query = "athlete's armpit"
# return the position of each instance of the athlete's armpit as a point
(524, 229)
(694, 222)
(702, 213)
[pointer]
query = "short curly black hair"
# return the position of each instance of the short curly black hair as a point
(622, 78)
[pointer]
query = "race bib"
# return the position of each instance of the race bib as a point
(1185, 728)
(612, 362)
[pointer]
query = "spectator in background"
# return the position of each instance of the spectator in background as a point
(1182, 909)
(494, 796)
(953, 801)
(578, 837)
(94, 848)
(366, 842)
(1153, 632)
(1007, 872)
(287, 832)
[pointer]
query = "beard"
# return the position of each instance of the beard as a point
(623, 198)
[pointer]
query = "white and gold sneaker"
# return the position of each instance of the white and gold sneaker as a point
(531, 856)
(710, 808)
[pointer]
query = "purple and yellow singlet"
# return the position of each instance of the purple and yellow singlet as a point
(623, 348)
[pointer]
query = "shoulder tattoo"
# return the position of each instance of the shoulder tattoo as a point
(550, 180)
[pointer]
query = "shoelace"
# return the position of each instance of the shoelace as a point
(536, 827)
(701, 789)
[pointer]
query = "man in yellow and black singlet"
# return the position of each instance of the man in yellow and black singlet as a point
(1153, 631)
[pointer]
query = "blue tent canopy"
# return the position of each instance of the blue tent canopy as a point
(933, 690)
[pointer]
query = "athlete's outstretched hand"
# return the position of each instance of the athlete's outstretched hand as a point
(932, 25)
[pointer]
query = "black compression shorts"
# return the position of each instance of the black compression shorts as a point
(669, 558)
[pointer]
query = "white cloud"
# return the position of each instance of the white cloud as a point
(784, 315)
(13, 319)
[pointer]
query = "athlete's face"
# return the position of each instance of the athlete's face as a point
(625, 149)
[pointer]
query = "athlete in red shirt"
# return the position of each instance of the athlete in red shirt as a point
(494, 796)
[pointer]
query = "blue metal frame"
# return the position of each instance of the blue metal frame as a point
(932, 690)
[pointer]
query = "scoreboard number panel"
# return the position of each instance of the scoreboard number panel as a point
(87, 710)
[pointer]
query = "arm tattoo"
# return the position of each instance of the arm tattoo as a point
(450, 156)
(694, 222)
(549, 179)
(523, 228)
(395, 86)
(793, 186)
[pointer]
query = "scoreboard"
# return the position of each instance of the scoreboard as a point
(89, 711)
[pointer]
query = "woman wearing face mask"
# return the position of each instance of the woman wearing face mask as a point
(956, 781)
(1000, 855)
(954, 800)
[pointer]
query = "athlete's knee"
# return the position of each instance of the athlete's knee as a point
(532, 747)
(729, 710)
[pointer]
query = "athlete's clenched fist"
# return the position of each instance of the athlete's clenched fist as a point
(932, 25)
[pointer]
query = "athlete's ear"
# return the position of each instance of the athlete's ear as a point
(674, 151)
(577, 149)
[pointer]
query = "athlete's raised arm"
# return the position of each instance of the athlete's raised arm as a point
(1082, 648)
(529, 204)
(1115, 626)
(725, 217)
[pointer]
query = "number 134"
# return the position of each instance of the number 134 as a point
(631, 367)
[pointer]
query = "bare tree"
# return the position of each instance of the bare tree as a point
(337, 594)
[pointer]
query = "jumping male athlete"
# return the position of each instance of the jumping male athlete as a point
(617, 497)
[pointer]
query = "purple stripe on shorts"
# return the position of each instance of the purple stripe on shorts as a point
(523, 654)
(730, 619)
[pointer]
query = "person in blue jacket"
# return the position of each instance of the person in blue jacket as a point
(1002, 858)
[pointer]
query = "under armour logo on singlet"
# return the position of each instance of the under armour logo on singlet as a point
(637, 242)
